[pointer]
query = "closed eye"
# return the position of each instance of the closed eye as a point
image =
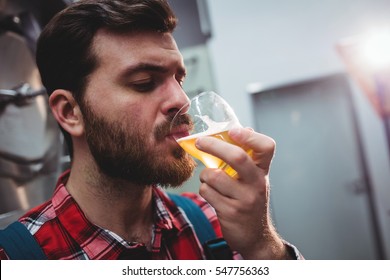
(144, 85)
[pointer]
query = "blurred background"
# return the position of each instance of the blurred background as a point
(313, 75)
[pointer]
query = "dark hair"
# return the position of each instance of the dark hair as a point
(64, 50)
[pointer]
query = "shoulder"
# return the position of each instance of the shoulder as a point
(45, 226)
(35, 218)
(32, 221)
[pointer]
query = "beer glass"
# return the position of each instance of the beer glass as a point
(212, 116)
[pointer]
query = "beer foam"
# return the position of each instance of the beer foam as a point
(213, 127)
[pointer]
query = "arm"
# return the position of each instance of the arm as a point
(242, 204)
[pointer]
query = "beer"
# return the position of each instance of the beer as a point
(188, 144)
(206, 114)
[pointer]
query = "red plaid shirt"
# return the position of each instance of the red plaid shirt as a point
(63, 231)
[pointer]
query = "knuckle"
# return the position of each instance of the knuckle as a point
(240, 157)
(215, 177)
(270, 144)
(240, 208)
(250, 204)
(251, 200)
(234, 211)
(203, 190)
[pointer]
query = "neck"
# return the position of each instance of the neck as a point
(113, 204)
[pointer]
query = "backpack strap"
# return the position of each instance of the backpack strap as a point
(19, 243)
(215, 248)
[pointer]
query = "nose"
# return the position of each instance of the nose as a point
(176, 98)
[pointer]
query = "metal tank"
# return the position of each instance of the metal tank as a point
(31, 146)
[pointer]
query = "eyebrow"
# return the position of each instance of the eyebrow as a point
(149, 67)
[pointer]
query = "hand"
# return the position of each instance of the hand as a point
(242, 204)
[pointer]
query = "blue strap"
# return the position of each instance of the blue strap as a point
(19, 244)
(203, 229)
(215, 248)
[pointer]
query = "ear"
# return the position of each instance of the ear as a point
(67, 112)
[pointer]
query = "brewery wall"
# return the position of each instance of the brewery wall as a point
(262, 48)
(31, 146)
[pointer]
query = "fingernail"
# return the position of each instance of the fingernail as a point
(197, 143)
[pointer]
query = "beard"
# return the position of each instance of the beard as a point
(121, 151)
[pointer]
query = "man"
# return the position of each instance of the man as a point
(114, 75)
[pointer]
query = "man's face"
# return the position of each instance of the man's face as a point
(129, 101)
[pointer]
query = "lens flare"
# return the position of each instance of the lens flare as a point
(375, 49)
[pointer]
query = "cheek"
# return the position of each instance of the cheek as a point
(137, 114)
(141, 124)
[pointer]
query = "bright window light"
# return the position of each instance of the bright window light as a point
(375, 49)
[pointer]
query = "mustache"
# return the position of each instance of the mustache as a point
(164, 129)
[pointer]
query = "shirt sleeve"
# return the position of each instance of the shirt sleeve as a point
(293, 251)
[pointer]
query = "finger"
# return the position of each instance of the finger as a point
(225, 206)
(263, 146)
(220, 182)
(233, 155)
(217, 200)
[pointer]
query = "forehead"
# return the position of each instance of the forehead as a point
(121, 50)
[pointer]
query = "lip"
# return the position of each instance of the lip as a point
(179, 132)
